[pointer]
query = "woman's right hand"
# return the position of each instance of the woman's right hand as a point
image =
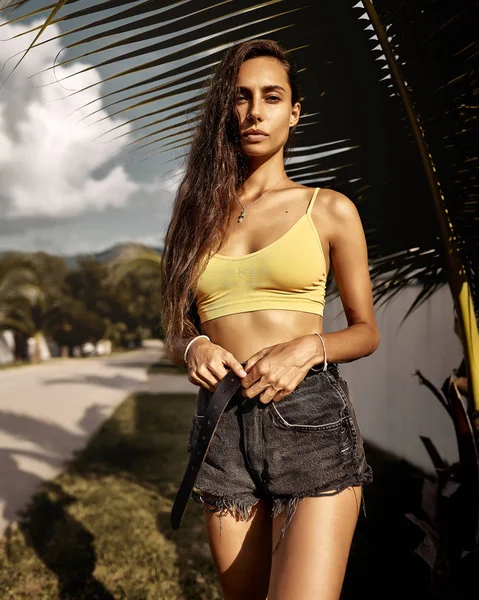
(208, 363)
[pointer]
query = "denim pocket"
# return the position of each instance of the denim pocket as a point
(317, 404)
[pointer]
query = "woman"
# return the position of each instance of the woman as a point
(246, 258)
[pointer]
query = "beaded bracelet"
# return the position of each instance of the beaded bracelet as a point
(190, 342)
(325, 365)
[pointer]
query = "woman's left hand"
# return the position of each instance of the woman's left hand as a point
(275, 371)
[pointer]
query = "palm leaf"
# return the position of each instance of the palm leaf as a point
(356, 133)
(333, 149)
(133, 258)
(429, 121)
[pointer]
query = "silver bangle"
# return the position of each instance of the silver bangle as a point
(325, 365)
(190, 342)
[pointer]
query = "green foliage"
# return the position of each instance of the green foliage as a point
(39, 294)
(74, 324)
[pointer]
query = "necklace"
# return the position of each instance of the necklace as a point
(241, 216)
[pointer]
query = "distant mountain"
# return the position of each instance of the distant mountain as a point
(103, 256)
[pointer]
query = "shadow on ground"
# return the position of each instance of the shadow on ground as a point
(63, 544)
(101, 529)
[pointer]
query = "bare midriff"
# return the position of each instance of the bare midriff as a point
(244, 334)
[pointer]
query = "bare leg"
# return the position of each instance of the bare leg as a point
(242, 555)
(310, 562)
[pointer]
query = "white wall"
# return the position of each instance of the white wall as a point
(7, 347)
(393, 409)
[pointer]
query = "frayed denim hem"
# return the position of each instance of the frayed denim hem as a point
(290, 502)
(240, 507)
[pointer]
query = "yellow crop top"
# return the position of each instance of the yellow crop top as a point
(289, 274)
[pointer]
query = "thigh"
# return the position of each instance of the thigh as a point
(241, 551)
(311, 559)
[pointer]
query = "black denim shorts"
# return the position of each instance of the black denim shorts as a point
(306, 444)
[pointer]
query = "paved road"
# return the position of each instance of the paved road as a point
(49, 411)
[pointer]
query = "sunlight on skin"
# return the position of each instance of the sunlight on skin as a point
(242, 554)
(311, 559)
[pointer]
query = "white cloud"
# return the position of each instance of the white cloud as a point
(47, 158)
(170, 184)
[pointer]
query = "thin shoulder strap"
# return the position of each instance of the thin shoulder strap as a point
(311, 202)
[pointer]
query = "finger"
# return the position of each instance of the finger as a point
(255, 389)
(256, 374)
(205, 379)
(273, 394)
(252, 360)
(217, 369)
(281, 394)
(268, 394)
(234, 365)
(252, 384)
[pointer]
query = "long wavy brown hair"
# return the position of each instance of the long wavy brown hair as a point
(207, 194)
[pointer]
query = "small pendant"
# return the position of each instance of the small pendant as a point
(241, 217)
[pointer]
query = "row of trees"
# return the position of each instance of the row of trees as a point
(118, 300)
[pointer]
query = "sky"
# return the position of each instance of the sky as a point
(71, 179)
(67, 186)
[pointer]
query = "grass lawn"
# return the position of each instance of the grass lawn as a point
(13, 365)
(100, 530)
(166, 366)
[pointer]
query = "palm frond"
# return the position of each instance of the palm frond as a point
(355, 133)
(445, 165)
(133, 258)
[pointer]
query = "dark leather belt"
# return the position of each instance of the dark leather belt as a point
(226, 389)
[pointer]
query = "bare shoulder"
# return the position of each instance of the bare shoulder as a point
(349, 256)
(337, 205)
(337, 214)
(334, 215)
